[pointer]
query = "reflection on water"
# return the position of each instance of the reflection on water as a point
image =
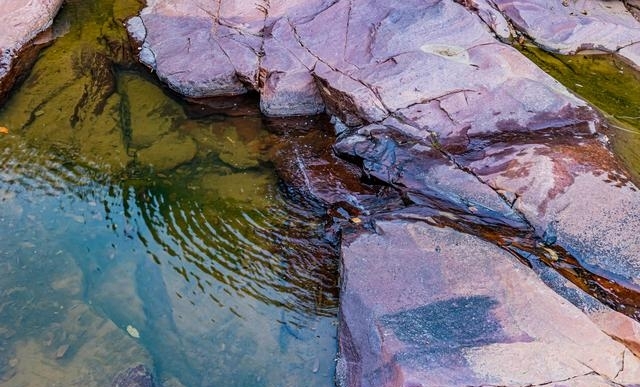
(611, 85)
(119, 211)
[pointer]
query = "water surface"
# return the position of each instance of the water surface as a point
(123, 217)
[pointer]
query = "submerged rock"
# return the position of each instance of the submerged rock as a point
(168, 152)
(138, 376)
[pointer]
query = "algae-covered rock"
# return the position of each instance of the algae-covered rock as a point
(68, 99)
(105, 141)
(249, 187)
(236, 152)
(241, 144)
(147, 113)
(168, 152)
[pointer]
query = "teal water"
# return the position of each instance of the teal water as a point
(132, 233)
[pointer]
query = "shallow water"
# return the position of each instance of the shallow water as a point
(123, 217)
(610, 84)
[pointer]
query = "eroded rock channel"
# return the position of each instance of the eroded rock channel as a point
(487, 232)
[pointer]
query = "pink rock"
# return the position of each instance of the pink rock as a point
(201, 50)
(427, 306)
(470, 134)
(20, 23)
(571, 26)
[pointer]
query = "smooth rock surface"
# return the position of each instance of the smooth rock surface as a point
(458, 311)
(568, 27)
(20, 23)
(201, 49)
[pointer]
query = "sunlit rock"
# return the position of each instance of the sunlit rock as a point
(569, 27)
(456, 310)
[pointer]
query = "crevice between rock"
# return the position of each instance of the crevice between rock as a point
(333, 68)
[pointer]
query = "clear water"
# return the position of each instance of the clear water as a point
(123, 217)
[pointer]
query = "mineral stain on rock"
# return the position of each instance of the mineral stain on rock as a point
(449, 324)
(437, 333)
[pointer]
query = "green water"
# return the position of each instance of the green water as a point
(119, 211)
(608, 83)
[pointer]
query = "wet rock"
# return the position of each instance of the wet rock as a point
(138, 376)
(251, 188)
(147, 112)
(66, 93)
(456, 310)
(310, 169)
(20, 24)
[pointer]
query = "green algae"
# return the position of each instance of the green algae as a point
(83, 98)
(608, 83)
(137, 215)
(68, 100)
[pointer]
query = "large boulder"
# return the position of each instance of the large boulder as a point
(20, 23)
(201, 49)
(458, 311)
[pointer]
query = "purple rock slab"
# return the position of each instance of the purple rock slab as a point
(201, 49)
(568, 27)
(429, 306)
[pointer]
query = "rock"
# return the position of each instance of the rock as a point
(20, 23)
(201, 50)
(455, 310)
(465, 132)
(138, 376)
(72, 86)
(61, 351)
(571, 26)
(288, 88)
(634, 7)
(168, 152)
(254, 189)
(147, 112)
(305, 162)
